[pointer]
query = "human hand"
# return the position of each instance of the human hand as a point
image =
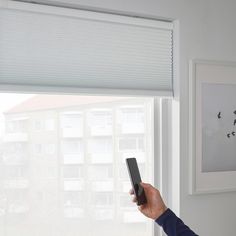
(155, 205)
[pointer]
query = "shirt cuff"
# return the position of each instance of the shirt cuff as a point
(162, 218)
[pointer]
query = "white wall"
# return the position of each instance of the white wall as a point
(206, 31)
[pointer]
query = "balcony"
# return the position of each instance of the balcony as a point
(72, 132)
(102, 186)
(18, 209)
(73, 185)
(126, 186)
(16, 137)
(73, 158)
(133, 217)
(132, 128)
(101, 158)
(73, 212)
(100, 122)
(14, 159)
(16, 184)
(101, 130)
(103, 214)
(2, 212)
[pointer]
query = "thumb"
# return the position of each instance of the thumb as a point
(144, 185)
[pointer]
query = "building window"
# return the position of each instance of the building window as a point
(74, 199)
(49, 148)
(17, 125)
(100, 150)
(72, 146)
(44, 124)
(50, 124)
(132, 119)
(38, 125)
(73, 172)
(71, 123)
(100, 122)
(100, 172)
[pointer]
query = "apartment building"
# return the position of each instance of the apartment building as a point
(66, 156)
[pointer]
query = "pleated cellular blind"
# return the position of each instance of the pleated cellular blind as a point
(85, 50)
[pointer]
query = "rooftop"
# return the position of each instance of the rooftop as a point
(47, 102)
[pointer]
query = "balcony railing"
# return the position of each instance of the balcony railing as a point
(14, 159)
(73, 158)
(16, 137)
(73, 212)
(102, 186)
(16, 184)
(132, 128)
(103, 214)
(73, 185)
(133, 217)
(101, 130)
(18, 209)
(73, 132)
(101, 158)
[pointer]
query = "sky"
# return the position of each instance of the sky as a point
(7, 101)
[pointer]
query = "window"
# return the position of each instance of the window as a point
(72, 124)
(75, 175)
(100, 172)
(38, 148)
(131, 119)
(38, 125)
(17, 125)
(44, 124)
(100, 122)
(17, 201)
(49, 124)
(73, 172)
(101, 150)
(15, 152)
(73, 148)
(102, 199)
(74, 199)
(49, 148)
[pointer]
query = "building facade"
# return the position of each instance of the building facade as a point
(67, 164)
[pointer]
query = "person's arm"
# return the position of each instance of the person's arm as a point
(156, 209)
(172, 225)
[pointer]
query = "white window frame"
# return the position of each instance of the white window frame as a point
(162, 122)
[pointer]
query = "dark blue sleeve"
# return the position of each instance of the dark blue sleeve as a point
(172, 225)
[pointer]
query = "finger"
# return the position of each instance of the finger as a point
(145, 185)
(134, 199)
(131, 191)
(141, 207)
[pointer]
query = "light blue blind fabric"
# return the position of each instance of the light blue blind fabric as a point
(55, 50)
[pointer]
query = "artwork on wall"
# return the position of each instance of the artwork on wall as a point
(212, 126)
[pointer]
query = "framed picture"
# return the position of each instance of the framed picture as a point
(212, 126)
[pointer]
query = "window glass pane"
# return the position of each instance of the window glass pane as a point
(74, 199)
(62, 166)
(72, 146)
(71, 120)
(98, 172)
(72, 171)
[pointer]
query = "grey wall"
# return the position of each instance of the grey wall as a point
(206, 31)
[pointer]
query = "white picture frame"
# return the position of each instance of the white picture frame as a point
(212, 123)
